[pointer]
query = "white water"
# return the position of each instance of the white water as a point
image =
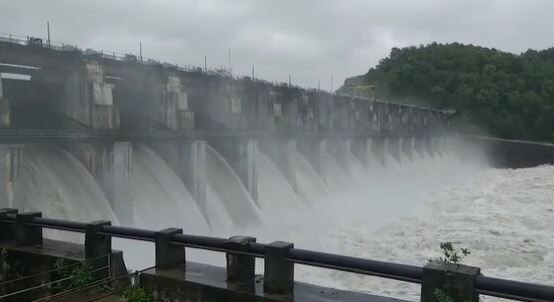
(227, 193)
(397, 213)
(275, 193)
(158, 192)
(54, 182)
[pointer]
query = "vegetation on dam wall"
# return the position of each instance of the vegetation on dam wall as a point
(508, 95)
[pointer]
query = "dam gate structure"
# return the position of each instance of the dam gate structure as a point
(99, 107)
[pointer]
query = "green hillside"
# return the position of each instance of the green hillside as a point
(508, 95)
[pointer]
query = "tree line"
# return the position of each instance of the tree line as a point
(508, 95)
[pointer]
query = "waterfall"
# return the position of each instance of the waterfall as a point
(311, 187)
(160, 199)
(54, 182)
(226, 193)
(274, 191)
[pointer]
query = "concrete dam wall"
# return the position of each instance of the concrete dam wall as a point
(249, 144)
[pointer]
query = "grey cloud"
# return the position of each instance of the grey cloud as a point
(307, 39)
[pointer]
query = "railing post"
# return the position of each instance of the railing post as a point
(456, 281)
(278, 273)
(7, 230)
(98, 249)
(240, 267)
(168, 254)
(27, 234)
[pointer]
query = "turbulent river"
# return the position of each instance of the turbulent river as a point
(397, 212)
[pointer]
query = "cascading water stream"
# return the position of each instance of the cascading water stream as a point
(54, 182)
(160, 198)
(396, 212)
(227, 194)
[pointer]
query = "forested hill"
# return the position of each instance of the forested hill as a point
(510, 96)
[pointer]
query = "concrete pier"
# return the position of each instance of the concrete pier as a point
(407, 146)
(11, 156)
(361, 148)
(241, 155)
(111, 166)
(312, 149)
(87, 99)
(341, 150)
(188, 160)
(394, 147)
(4, 108)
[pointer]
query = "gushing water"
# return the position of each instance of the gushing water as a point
(55, 183)
(157, 189)
(398, 211)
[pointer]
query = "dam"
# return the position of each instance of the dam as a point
(91, 135)
(80, 125)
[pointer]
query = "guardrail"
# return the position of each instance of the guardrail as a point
(108, 134)
(280, 257)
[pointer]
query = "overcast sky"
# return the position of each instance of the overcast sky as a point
(309, 40)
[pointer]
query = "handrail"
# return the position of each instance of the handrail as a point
(502, 288)
(103, 134)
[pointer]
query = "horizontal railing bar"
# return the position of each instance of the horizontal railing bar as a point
(522, 290)
(59, 224)
(212, 242)
(402, 272)
(125, 232)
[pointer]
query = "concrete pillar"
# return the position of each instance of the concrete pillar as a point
(98, 249)
(174, 112)
(407, 146)
(247, 166)
(240, 153)
(111, 165)
(393, 144)
(11, 157)
(453, 280)
(194, 171)
(26, 234)
(428, 143)
(278, 273)
(96, 244)
(280, 151)
(7, 230)
(188, 160)
(240, 267)
(361, 148)
(4, 108)
(312, 150)
(87, 99)
(419, 145)
(340, 149)
(379, 148)
(115, 176)
(169, 255)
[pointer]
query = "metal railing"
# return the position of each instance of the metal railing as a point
(115, 134)
(502, 288)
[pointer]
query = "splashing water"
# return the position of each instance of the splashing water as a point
(157, 189)
(54, 182)
(398, 212)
